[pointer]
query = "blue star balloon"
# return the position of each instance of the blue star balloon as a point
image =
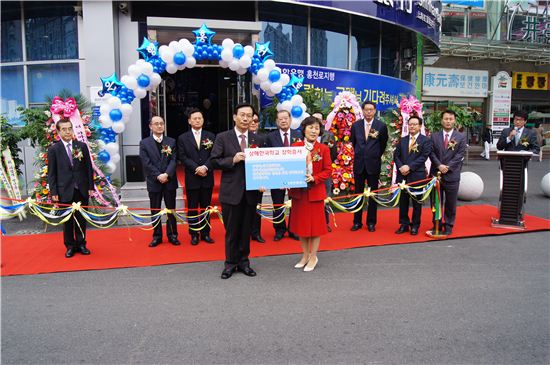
(263, 51)
(295, 84)
(111, 85)
(148, 49)
(203, 35)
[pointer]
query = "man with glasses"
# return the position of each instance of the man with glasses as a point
(518, 137)
(256, 233)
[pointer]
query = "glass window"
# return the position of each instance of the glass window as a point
(13, 91)
(364, 45)
(453, 24)
(50, 31)
(48, 80)
(11, 31)
(477, 25)
(390, 50)
(286, 30)
(329, 39)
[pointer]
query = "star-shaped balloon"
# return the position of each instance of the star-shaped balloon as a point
(148, 49)
(263, 51)
(295, 84)
(203, 35)
(111, 85)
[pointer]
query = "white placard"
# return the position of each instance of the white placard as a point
(501, 103)
(455, 82)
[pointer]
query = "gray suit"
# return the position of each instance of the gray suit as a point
(452, 157)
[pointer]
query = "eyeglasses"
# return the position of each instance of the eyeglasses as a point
(158, 123)
(254, 121)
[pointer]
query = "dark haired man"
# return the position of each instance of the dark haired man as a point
(369, 137)
(518, 137)
(70, 179)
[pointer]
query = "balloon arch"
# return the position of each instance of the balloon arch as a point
(144, 76)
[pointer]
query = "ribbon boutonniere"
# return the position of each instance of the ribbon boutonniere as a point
(413, 148)
(207, 144)
(294, 140)
(524, 141)
(253, 146)
(451, 145)
(77, 154)
(316, 157)
(166, 150)
(373, 134)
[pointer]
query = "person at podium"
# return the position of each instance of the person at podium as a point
(518, 137)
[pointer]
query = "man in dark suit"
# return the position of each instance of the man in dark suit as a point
(449, 147)
(238, 205)
(256, 233)
(282, 137)
(158, 156)
(70, 179)
(194, 147)
(369, 137)
(410, 156)
(518, 138)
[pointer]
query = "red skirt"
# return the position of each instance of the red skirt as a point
(307, 219)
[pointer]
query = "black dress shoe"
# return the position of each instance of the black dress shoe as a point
(247, 271)
(278, 236)
(258, 239)
(293, 236)
(448, 231)
(83, 250)
(175, 241)
(371, 228)
(402, 229)
(414, 231)
(356, 227)
(194, 240)
(70, 252)
(155, 242)
(206, 238)
(226, 273)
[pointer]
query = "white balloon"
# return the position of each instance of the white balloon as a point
(118, 127)
(107, 122)
(126, 109)
(100, 144)
(269, 93)
(171, 68)
(134, 70)
(190, 62)
(296, 100)
(224, 64)
(303, 106)
(263, 74)
(265, 85)
(147, 68)
(227, 54)
(295, 124)
(228, 43)
(155, 80)
(249, 51)
(245, 62)
(110, 167)
(115, 158)
(114, 103)
(111, 147)
(184, 42)
(242, 71)
(129, 81)
(140, 93)
(167, 56)
(276, 87)
(279, 107)
(269, 64)
(285, 79)
(174, 45)
(105, 108)
(188, 49)
(287, 105)
(234, 65)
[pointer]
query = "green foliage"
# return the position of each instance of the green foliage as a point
(465, 118)
(9, 137)
(317, 101)
(35, 127)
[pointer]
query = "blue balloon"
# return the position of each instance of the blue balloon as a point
(238, 50)
(274, 76)
(104, 156)
(179, 58)
(143, 80)
(115, 115)
(216, 54)
(296, 111)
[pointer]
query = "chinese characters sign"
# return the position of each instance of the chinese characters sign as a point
(530, 81)
(501, 103)
(454, 82)
(274, 168)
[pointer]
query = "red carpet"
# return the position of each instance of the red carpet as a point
(127, 247)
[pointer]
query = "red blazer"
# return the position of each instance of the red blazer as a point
(322, 170)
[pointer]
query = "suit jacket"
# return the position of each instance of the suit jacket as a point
(156, 163)
(415, 160)
(368, 151)
(451, 157)
(233, 180)
(62, 177)
(322, 169)
(528, 136)
(192, 157)
(329, 140)
(273, 139)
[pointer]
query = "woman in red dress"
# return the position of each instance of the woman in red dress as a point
(308, 208)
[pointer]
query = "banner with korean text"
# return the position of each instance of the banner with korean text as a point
(275, 168)
(450, 82)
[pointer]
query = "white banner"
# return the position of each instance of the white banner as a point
(455, 82)
(501, 103)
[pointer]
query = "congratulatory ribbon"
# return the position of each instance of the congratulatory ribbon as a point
(56, 214)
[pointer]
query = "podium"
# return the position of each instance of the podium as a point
(513, 188)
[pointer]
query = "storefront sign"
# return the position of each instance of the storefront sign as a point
(530, 81)
(455, 82)
(501, 103)
(383, 90)
(275, 168)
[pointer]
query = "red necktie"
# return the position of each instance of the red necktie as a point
(243, 142)
(285, 142)
(446, 142)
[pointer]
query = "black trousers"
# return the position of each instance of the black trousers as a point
(155, 199)
(237, 220)
(197, 201)
(449, 197)
(257, 222)
(74, 234)
(404, 211)
(278, 197)
(372, 207)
